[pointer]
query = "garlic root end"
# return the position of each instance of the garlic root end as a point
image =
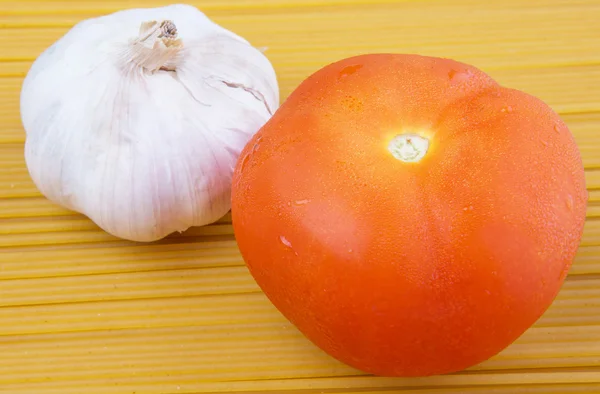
(156, 47)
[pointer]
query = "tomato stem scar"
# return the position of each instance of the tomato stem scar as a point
(410, 148)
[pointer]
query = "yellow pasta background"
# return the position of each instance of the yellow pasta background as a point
(84, 312)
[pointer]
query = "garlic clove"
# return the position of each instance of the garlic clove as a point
(136, 119)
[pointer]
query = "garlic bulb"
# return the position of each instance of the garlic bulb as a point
(136, 119)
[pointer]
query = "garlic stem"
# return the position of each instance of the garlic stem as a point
(156, 47)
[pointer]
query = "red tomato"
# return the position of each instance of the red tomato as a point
(409, 215)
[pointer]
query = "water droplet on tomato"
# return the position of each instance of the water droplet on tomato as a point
(460, 76)
(508, 108)
(545, 143)
(244, 162)
(570, 203)
(287, 244)
(350, 70)
(557, 128)
(285, 241)
(301, 202)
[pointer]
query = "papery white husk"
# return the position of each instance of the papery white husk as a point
(141, 150)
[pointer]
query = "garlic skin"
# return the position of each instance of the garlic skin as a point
(137, 118)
